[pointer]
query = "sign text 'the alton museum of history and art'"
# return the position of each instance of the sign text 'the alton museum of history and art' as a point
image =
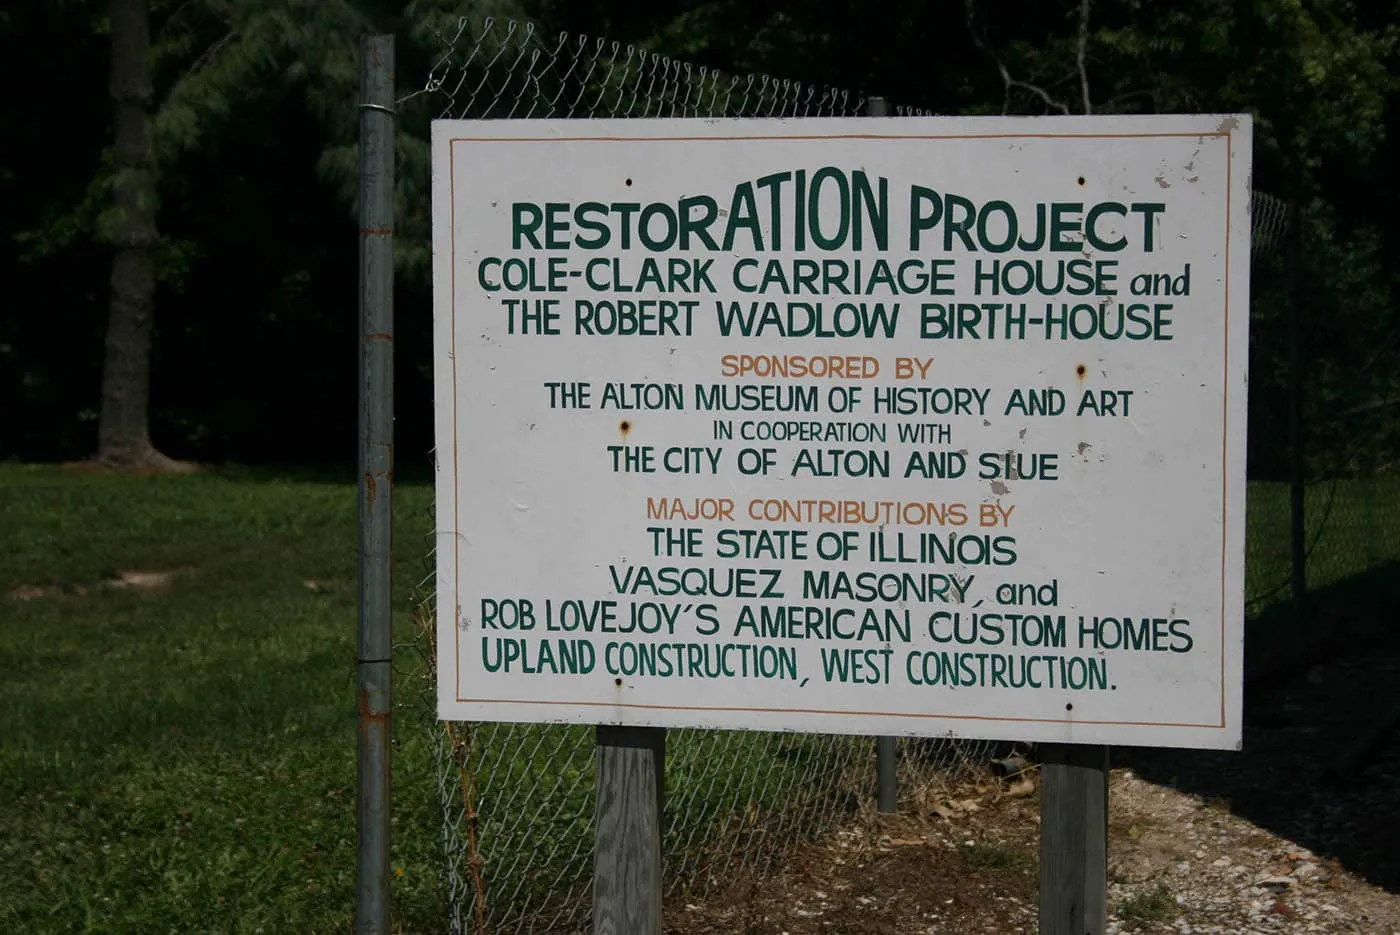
(926, 426)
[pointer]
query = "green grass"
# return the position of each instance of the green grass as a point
(997, 855)
(183, 760)
(1350, 526)
(1154, 905)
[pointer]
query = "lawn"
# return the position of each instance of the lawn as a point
(181, 758)
(1350, 526)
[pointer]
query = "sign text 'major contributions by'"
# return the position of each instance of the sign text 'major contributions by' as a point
(781, 425)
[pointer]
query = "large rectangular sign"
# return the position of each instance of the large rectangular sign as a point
(929, 426)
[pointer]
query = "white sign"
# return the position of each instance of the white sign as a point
(926, 426)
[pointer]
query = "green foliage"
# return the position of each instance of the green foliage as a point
(64, 225)
(1320, 79)
(997, 855)
(1153, 905)
(256, 151)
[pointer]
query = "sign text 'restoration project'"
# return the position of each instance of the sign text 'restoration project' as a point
(925, 426)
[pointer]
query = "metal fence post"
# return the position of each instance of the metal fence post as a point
(1296, 467)
(376, 382)
(886, 758)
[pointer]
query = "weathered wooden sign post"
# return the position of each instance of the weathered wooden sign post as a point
(915, 426)
(1073, 839)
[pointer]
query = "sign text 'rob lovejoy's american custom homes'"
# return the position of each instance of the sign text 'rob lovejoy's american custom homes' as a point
(922, 426)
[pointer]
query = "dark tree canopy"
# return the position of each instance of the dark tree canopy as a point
(251, 176)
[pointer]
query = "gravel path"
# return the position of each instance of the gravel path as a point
(1273, 839)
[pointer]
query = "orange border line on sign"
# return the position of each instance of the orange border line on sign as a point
(833, 136)
(1225, 439)
(456, 505)
(1224, 506)
(945, 717)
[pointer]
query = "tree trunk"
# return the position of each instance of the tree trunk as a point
(124, 439)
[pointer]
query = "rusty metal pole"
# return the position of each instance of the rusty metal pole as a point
(372, 657)
(886, 748)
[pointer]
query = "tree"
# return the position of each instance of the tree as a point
(250, 41)
(1319, 78)
(251, 167)
(124, 438)
(221, 54)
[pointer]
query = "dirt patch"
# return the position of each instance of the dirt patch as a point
(152, 464)
(140, 581)
(893, 875)
(956, 859)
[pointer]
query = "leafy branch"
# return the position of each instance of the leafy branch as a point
(977, 30)
(1083, 46)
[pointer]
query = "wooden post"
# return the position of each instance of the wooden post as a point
(887, 775)
(1073, 839)
(627, 845)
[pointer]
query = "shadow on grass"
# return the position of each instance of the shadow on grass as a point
(1321, 758)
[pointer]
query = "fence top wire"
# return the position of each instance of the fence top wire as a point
(513, 70)
(1269, 222)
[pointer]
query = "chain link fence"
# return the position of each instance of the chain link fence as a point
(1346, 380)
(1324, 500)
(518, 799)
(510, 70)
(1267, 569)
